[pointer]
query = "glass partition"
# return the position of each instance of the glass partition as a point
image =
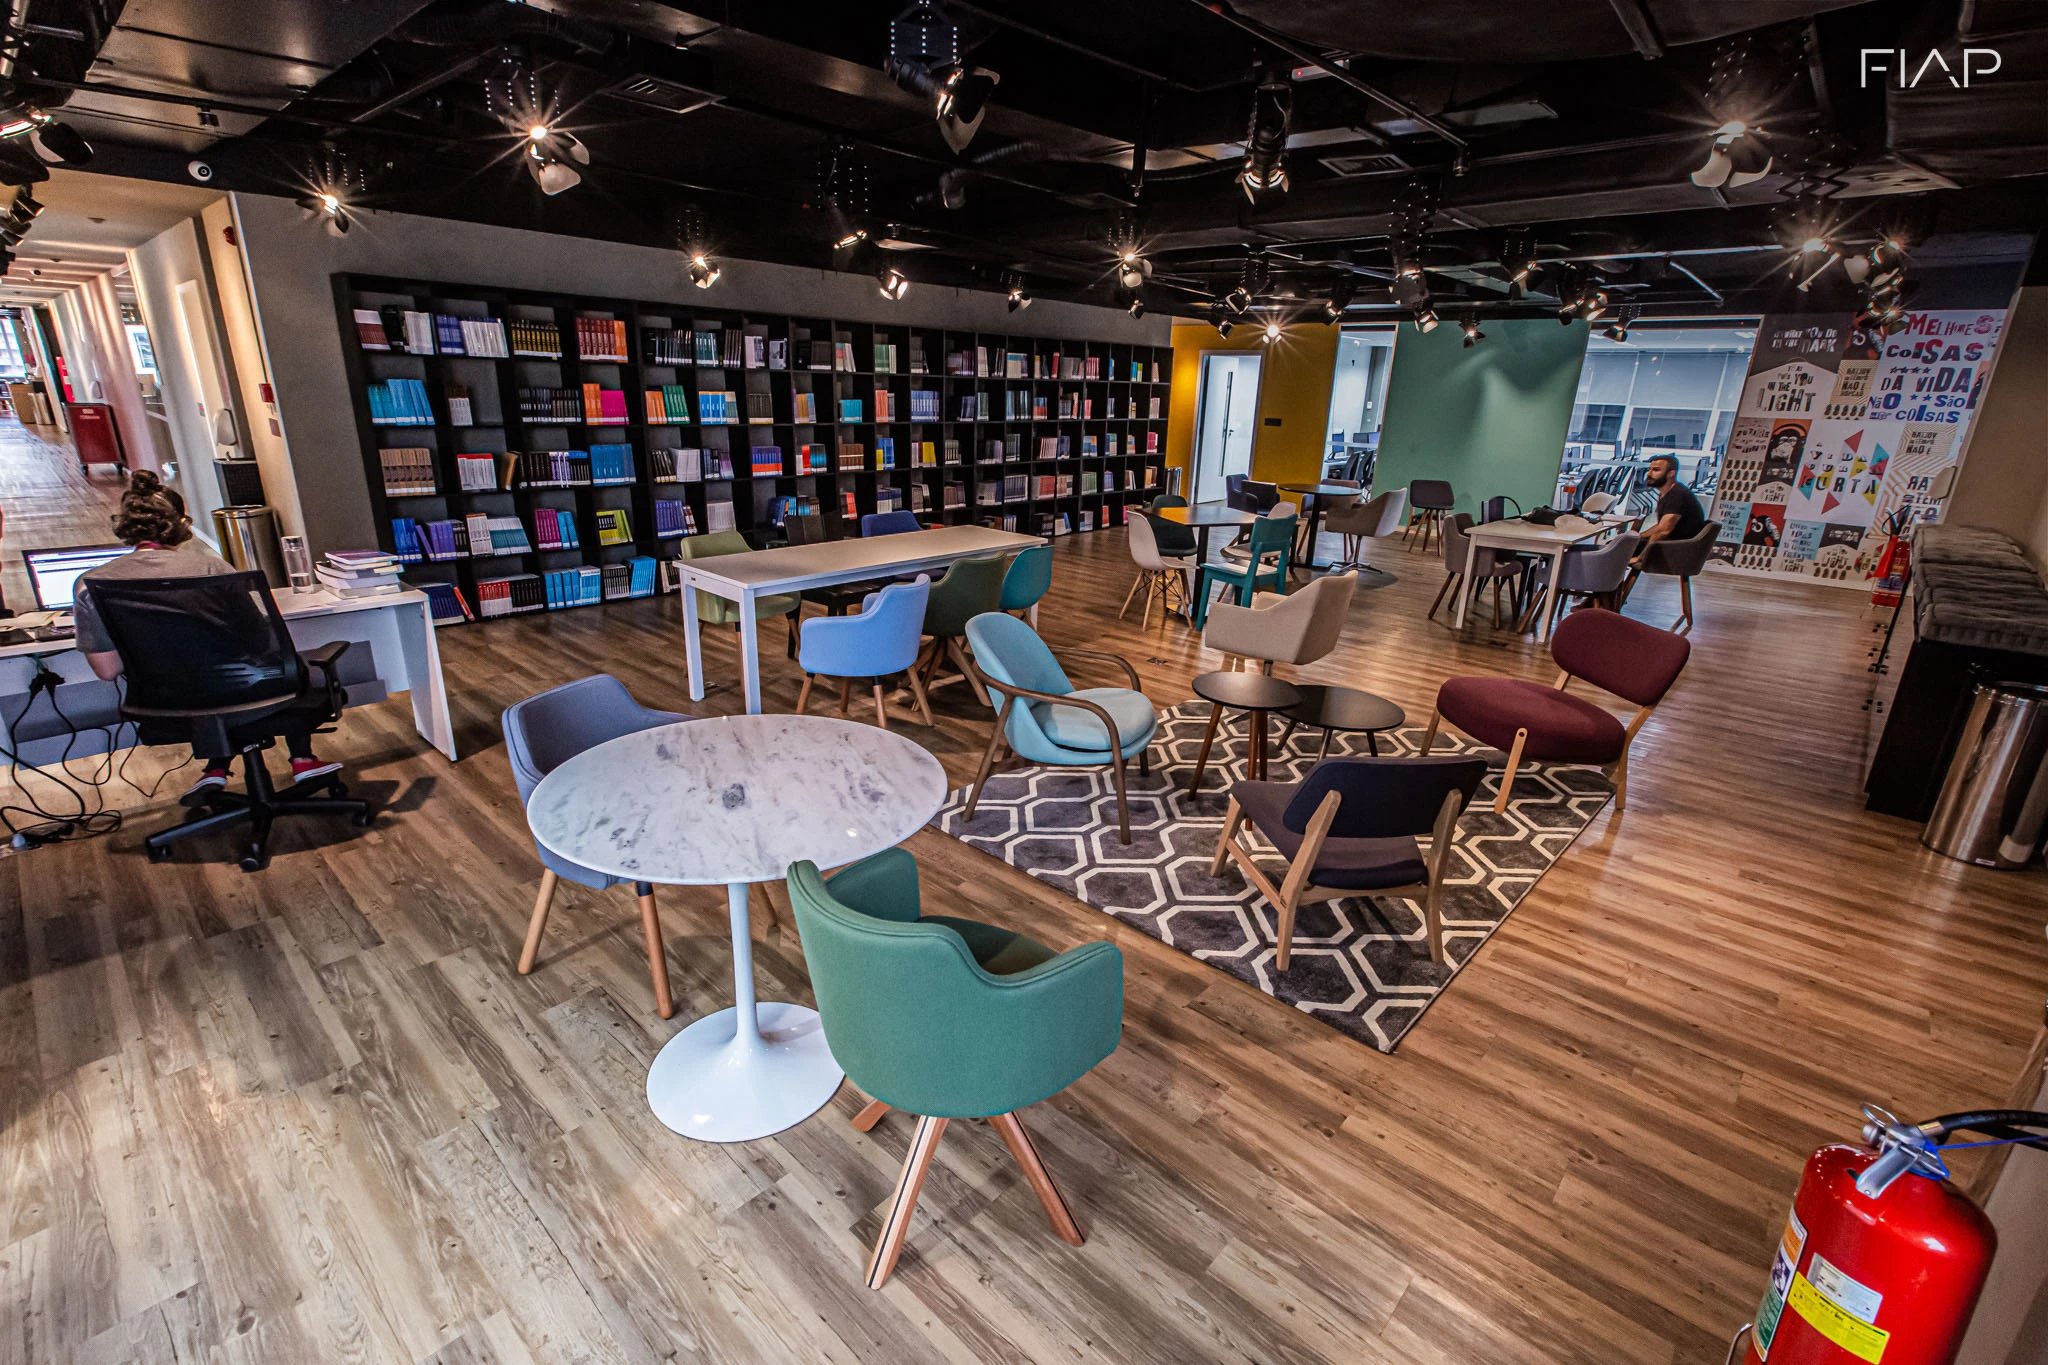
(1666, 390)
(1358, 398)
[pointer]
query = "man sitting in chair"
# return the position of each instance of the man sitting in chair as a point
(1679, 515)
(152, 519)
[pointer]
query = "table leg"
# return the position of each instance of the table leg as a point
(1258, 762)
(1372, 744)
(1543, 597)
(745, 1072)
(750, 651)
(1208, 738)
(693, 643)
(1465, 587)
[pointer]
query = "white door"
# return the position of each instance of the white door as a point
(1228, 414)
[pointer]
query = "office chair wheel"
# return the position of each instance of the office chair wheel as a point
(255, 860)
(338, 787)
(362, 818)
(159, 855)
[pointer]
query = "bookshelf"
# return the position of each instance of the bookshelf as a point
(605, 429)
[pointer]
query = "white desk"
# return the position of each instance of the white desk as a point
(737, 799)
(745, 577)
(1524, 537)
(392, 649)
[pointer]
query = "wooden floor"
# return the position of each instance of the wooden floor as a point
(47, 500)
(313, 1115)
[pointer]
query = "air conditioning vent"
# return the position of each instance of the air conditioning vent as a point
(1365, 163)
(661, 94)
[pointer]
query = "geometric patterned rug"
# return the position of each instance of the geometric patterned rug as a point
(1360, 965)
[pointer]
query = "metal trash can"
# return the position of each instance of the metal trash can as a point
(2004, 742)
(248, 540)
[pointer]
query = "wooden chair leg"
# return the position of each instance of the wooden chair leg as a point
(868, 1117)
(1041, 1180)
(657, 954)
(1031, 615)
(1685, 603)
(988, 761)
(845, 694)
(1429, 735)
(896, 1222)
(881, 715)
(917, 694)
(541, 905)
(1208, 738)
(1449, 579)
(1143, 577)
(803, 698)
(1283, 934)
(1496, 604)
(967, 669)
(1433, 923)
(1507, 778)
(1620, 777)
(1232, 817)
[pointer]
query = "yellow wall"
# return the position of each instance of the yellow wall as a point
(1294, 386)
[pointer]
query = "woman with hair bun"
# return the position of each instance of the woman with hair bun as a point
(152, 518)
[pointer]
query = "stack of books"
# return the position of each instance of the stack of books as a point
(477, 472)
(445, 603)
(611, 464)
(535, 338)
(672, 465)
(600, 338)
(491, 536)
(555, 528)
(668, 406)
(633, 578)
(578, 587)
(359, 573)
(672, 518)
(613, 526)
(408, 471)
(507, 596)
(399, 403)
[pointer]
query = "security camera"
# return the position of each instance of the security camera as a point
(199, 171)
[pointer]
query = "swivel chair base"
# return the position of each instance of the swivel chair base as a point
(260, 806)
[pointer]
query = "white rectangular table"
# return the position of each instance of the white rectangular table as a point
(392, 649)
(743, 578)
(1524, 537)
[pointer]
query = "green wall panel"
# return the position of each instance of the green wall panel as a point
(1491, 418)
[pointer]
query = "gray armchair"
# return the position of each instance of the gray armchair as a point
(1683, 560)
(1296, 629)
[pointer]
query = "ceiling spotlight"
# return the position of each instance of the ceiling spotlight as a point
(1272, 332)
(1238, 300)
(1470, 327)
(60, 143)
(1737, 157)
(1340, 299)
(552, 157)
(1593, 305)
(1410, 289)
(328, 209)
(1019, 298)
(1265, 142)
(1616, 331)
(1132, 269)
(852, 237)
(961, 100)
(1425, 319)
(924, 59)
(1137, 309)
(703, 270)
(1224, 326)
(1813, 246)
(894, 284)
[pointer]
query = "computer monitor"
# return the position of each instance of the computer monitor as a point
(52, 573)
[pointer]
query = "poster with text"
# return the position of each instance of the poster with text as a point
(1840, 434)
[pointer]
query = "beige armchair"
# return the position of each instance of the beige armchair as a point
(1381, 515)
(1296, 629)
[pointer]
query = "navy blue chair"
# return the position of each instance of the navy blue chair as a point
(880, 642)
(888, 523)
(1348, 829)
(545, 731)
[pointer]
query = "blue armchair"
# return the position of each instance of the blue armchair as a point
(1045, 719)
(888, 523)
(880, 642)
(948, 1018)
(545, 731)
(1028, 579)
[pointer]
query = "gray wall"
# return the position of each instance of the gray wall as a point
(158, 267)
(2003, 479)
(291, 263)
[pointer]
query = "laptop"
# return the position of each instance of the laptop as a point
(53, 574)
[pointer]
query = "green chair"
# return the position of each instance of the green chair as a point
(947, 1018)
(970, 587)
(1272, 537)
(718, 611)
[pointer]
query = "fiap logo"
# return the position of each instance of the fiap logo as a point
(1879, 61)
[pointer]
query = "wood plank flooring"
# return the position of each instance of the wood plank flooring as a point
(47, 500)
(314, 1115)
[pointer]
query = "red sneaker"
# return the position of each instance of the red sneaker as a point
(214, 779)
(304, 769)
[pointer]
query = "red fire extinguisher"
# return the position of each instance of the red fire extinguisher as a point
(1882, 1256)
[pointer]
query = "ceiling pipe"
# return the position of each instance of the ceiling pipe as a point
(1309, 56)
(423, 86)
(1712, 292)
(1642, 29)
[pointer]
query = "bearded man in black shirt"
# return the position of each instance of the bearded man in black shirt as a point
(1679, 516)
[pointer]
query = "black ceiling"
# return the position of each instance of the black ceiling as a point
(1576, 120)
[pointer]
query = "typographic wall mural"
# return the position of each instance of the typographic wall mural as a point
(1838, 430)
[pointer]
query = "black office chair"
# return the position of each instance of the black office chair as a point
(208, 661)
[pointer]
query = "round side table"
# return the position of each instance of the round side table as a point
(1330, 709)
(1250, 692)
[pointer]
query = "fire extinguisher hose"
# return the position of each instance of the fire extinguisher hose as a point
(2002, 1125)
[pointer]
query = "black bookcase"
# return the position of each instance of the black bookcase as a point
(1034, 456)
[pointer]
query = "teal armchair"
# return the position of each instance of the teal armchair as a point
(948, 1018)
(1272, 538)
(1046, 719)
(969, 588)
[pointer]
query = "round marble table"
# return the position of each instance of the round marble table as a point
(736, 800)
